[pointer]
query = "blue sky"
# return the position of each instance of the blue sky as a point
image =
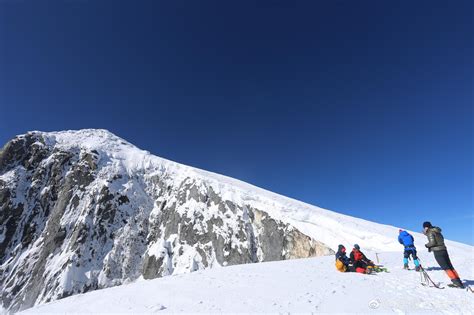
(365, 108)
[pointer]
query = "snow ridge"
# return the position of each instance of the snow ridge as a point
(330, 227)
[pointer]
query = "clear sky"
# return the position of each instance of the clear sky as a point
(362, 107)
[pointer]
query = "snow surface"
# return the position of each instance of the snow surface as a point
(303, 285)
(290, 286)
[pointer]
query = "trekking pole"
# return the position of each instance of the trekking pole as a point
(423, 279)
(423, 274)
(427, 279)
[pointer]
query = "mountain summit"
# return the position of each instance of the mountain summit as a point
(84, 210)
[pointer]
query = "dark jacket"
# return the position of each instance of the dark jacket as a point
(341, 255)
(406, 239)
(435, 239)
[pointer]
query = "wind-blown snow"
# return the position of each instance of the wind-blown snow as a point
(303, 285)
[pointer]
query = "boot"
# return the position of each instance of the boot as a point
(418, 268)
(405, 266)
(456, 284)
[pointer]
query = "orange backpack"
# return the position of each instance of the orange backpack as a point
(340, 266)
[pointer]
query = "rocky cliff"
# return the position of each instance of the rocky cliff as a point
(83, 210)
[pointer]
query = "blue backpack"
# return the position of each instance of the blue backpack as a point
(405, 239)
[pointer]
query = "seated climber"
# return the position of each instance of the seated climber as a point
(343, 263)
(359, 260)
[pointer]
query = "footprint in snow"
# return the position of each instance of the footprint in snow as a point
(158, 307)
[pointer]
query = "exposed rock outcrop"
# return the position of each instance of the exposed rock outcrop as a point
(78, 215)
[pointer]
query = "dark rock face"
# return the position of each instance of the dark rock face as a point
(75, 219)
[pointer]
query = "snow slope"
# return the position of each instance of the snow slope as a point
(86, 210)
(303, 285)
(329, 227)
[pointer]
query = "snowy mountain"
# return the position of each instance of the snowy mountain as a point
(84, 210)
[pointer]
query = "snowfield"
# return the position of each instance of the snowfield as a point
(302, 285)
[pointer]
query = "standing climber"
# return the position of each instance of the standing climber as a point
(436, 245)
(406, 239)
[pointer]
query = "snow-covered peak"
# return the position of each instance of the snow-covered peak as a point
(88, 139)
(330, 227)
